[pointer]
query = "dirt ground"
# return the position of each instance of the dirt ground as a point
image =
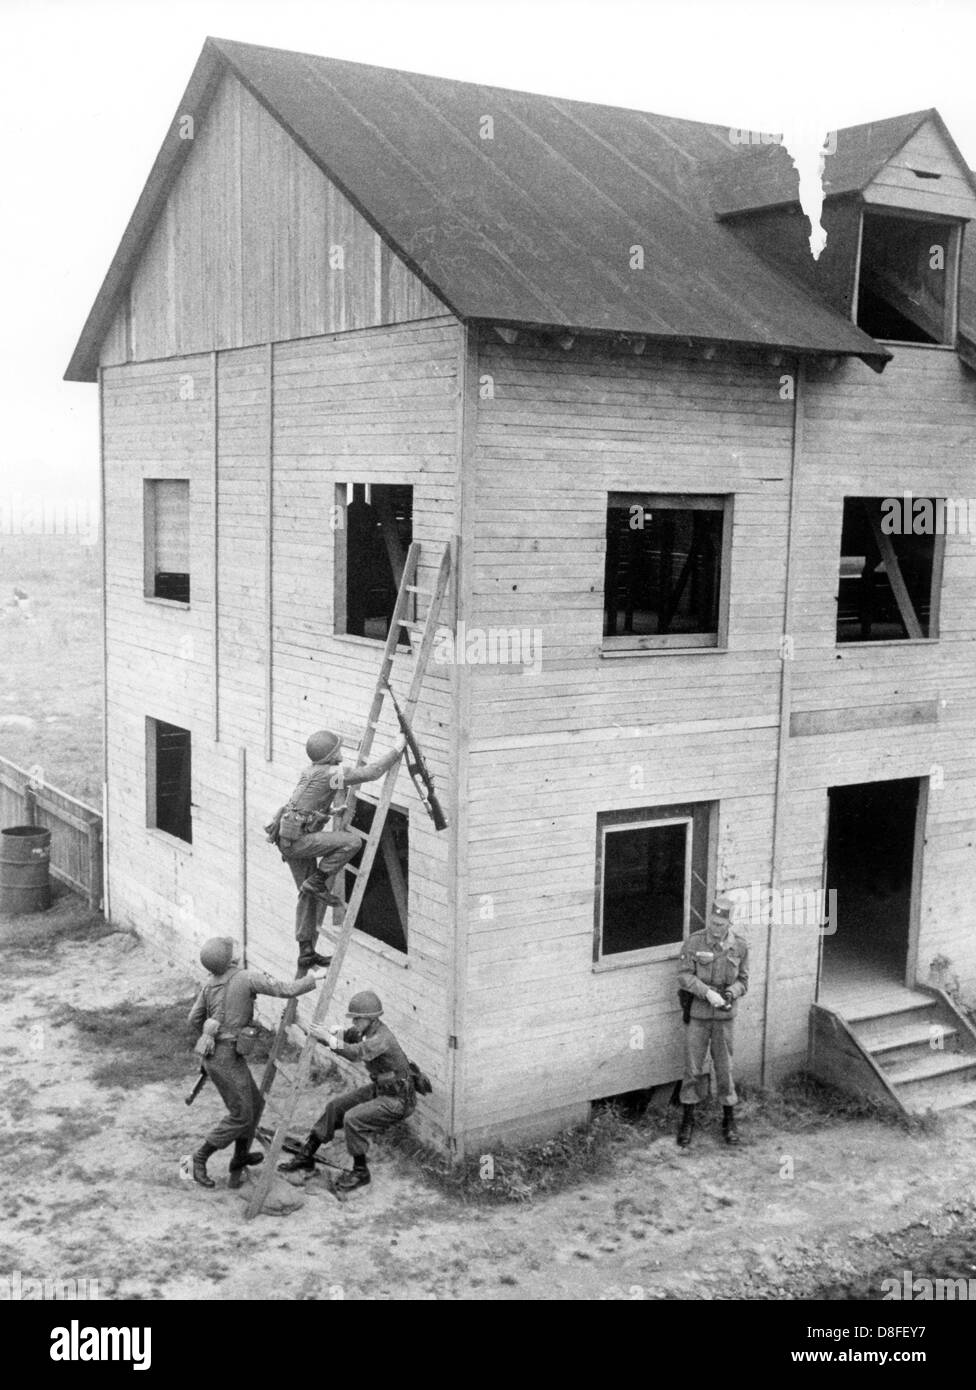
(91, 1184)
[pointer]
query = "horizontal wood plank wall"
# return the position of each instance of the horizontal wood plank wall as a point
(243, 251)
(550, 748)
(373, 406)
(899, 186)
(377, 406)
(158, 424)
(908, 430)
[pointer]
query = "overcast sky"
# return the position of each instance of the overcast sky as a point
(89, 86)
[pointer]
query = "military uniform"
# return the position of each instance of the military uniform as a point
(722, 967)
(388, 1099)
(228, 998)
(312, 853)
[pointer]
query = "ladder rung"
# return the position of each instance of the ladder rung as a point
(418, 589)
(413, 627)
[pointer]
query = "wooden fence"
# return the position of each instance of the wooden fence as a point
(76, 828)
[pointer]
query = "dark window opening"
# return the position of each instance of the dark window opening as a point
(383, 912)
(886, 588)
(169, 779)
(906, 279)
(652, 877)
(663, 572)
(166, 510)
(372, 543)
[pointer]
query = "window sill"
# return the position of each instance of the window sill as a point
(627, 960)
(371, 642)
(615, 653)
(887, 642)
(165, 602)
(173, 841)
(376, 948)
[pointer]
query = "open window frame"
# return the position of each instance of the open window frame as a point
(720, 504)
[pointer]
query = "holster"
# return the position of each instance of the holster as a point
(685, 998)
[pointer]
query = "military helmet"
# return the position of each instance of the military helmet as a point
(323, 746)
(217, 954)
(365, 1004)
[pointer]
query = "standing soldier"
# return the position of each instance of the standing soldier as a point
(314, 854)
(388, 1099)
(223, 1011)
(714, 968)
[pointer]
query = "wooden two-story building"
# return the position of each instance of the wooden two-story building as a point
(698, 636)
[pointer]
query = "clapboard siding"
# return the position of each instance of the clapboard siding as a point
(577, 733)
(553, 746)
(395, 419)
(242, 253)
(898, 186)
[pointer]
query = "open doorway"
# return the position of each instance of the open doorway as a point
(871, 856)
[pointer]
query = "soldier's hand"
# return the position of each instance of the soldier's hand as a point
(318, 973)
(400, 742)
(715, 999)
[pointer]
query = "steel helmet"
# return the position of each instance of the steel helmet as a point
(217, 954)
(324, 746)
(365, 1004)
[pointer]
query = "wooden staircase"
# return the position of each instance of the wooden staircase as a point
(911, 1048)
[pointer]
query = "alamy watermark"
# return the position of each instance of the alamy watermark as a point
(19, 1288)
(929, 516)
(491, 646)
(760, 905)
(928, 1290)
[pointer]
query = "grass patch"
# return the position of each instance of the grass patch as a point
(142, 1044)
(803, 1102)
(504, 1174)
(139, 1044)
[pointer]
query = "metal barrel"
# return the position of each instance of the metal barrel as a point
(25, 863)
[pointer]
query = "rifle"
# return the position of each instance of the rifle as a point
(418, 769)
(198, 1086)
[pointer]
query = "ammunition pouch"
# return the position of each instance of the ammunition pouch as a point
(391, 1083)
(247, 1041)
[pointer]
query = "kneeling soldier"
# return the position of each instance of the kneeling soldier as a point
(223, 1010)
(714, 968)
(388, 1099)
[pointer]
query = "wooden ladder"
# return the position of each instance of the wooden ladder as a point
(344, 917)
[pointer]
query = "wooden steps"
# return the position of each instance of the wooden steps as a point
(911, 1047)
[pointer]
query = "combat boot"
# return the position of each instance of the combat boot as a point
(241, 1160)
(304, 1160)
(309, 959)
(200, 1173)
(358, 1176)
(687, 1126)
(729, 1128)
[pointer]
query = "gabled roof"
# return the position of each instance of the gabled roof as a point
(531, 227)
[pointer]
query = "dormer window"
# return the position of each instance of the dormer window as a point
(908, 278)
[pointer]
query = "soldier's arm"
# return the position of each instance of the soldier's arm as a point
(198, 1014)
(263, 984)
(740, 984)
(348, 776)
(687, 979)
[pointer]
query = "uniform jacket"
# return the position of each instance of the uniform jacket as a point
(384, 1058)
(309, 805)
(728, 969)
(230, 998)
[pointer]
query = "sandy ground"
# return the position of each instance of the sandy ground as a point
(91, 1184)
